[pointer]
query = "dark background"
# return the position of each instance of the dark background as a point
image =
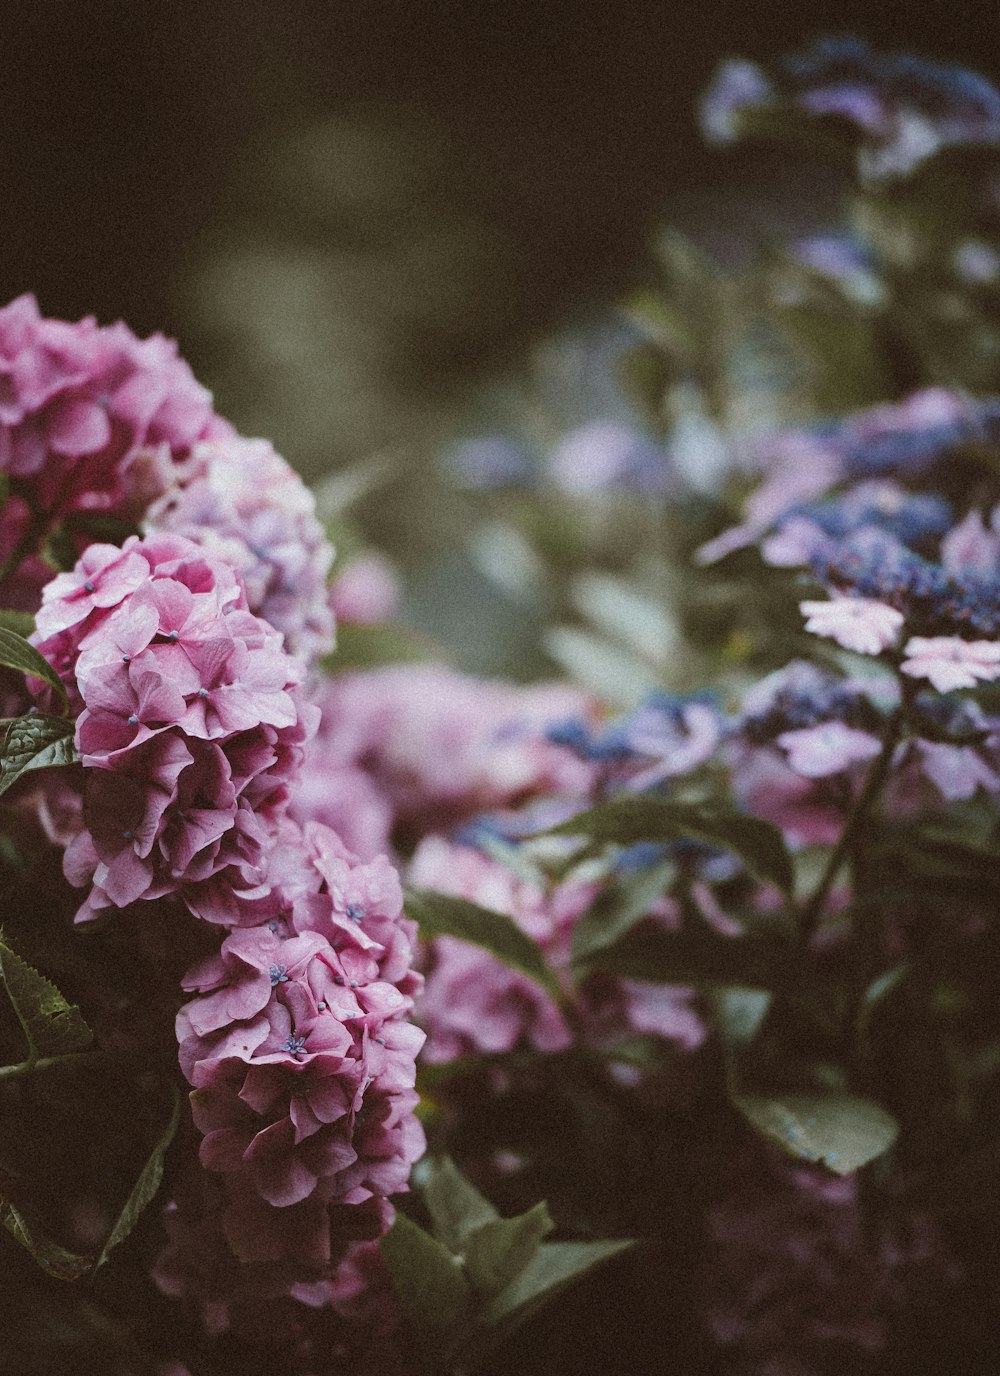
(136, 138)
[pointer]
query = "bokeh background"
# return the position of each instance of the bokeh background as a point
(361, 221)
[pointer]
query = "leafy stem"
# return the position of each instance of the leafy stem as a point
(34, 1064)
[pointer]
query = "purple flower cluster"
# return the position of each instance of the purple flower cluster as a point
(302, 1059)
(191, 727)
(241, 500)
(903, 108)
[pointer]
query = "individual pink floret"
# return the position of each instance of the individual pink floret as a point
(861, 624)
(948, 662)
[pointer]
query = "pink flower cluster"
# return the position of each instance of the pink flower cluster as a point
(473, 1005)
(302, 1059)
(191, 726)
(82, 408)
(422, 747)
(241, 500)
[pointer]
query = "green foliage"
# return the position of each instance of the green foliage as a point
(479, 1276)
(700, 957)
(33, 742)
(439, 914)
(620, 905)
(627, 820)
(16, 653)
(841, 1131)
(19, 623)
(148, 1182)
(51, 1025)
(372, 647)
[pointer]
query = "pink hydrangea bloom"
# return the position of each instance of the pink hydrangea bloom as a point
(475, 1005)
(80, 407)
(301, 1054)
(948, 662)
(438, 747)
(861, 624)
(241, 500)
(829, 748)
(191, 726)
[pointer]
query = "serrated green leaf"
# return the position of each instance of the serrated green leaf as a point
(623, 903)
(428, 1280)
(16, 653)
(627, 820)
(497, 1252)
(21, 623)
(456, 1207)
(440, 914)
(146, 1186)
(51, 1257)
(555, 1267)
(702, 958)
(841, 1131)
(52, 1027)
(35, 741)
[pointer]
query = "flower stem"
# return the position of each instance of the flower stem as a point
(29, 1067)
(874, 782)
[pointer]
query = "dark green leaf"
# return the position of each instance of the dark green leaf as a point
(147, 1184)
(52, 1027)
(50, 1256)
(439, 914)
(700, 958)
(625, 901)
(497, 1252)
(428, 1279)
(21, 623)
(555, 1266)
(842, 1131)
(456, 1207)
(60, 549)
(16, 653)
(628, 820)
(35, 741)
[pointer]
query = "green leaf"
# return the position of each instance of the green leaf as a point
(623, 903)
(428, 1279)
(145, 1188)
(698, 957)
(52, 1027)
(456, 1207)
(627, 820)
(497, 1252)
(554, 1267)
(21, 623)
(439, 914)
(51, 1257)
(16, 653)
(842, 1131)
(35, 741)
(741, 1013)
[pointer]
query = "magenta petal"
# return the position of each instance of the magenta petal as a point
(278, 1171)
